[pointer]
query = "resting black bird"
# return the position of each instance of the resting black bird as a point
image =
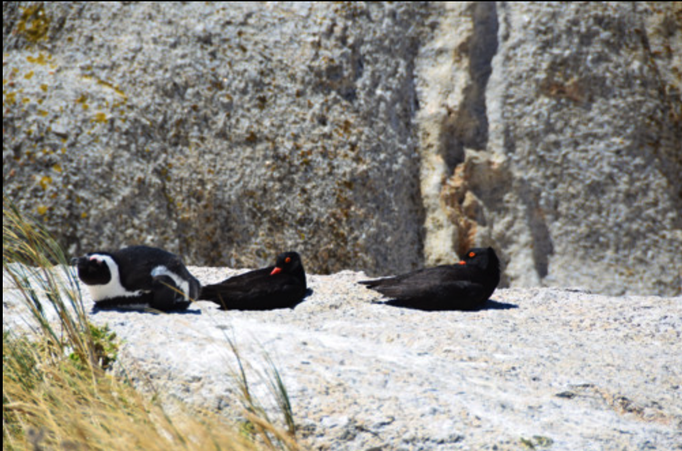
(463, 286)
(274, 287)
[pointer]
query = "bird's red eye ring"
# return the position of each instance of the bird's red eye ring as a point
(287, 260)
(462, 262)
(472, 254)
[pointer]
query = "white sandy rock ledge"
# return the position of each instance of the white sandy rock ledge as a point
(538, 368)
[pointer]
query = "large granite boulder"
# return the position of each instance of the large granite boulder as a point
(380, 137)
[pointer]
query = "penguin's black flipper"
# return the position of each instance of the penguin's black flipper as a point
(167, 296)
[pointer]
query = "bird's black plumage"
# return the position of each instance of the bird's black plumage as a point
(274, 287)
(137, 277)
(462, 286)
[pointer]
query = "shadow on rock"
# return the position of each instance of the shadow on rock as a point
(152, 311)
(495, 305)
(487, 305)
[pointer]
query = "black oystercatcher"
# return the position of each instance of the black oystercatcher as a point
(274, 287)
(462, 286)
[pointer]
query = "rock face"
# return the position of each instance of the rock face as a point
(552, 131)
(224, 133)
(544, 368)
(380, 137)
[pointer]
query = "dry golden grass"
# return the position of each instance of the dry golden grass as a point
(54, 403)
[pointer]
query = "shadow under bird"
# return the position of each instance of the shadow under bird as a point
(274, 287)
(466, 285)
(137, 277)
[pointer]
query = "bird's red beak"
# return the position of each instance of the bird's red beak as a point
(277, 270)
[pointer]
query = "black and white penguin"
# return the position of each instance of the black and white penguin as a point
(137, 277)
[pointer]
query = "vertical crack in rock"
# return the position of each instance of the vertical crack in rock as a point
(453, 70)
(468, 127)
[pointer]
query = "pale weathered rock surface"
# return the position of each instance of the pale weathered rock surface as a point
(553, 368)
(376, 137)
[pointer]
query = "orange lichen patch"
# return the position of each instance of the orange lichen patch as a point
(100, 118)
(116, 89)
(40, 59)
(34, 23)
(9, 98)
(45, 181)
(83, 99)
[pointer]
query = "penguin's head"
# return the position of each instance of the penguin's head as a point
(93, 268)
(287, 262)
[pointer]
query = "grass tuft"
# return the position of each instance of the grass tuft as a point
(258, 423)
